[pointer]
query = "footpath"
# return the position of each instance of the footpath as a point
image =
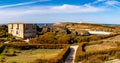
(71, 56)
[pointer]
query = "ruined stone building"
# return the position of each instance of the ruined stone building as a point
(23, 30)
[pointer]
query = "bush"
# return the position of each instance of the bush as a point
(13, 61)
(25, 46)
(11, 52)
(2, 58)
(93, 60)
(95, 37)
(103, 57)
(4, 51)
(2, 48)
(47, 38)
(117, 55)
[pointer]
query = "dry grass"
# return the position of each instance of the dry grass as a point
(107, 44)
(98, 47)
(113, 39)
(101, 46)
(27, 56)
(113, 61)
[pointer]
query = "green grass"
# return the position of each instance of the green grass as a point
(26, 56)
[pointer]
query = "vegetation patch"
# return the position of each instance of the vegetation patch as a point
(24, 53)
(33, 54)
(100, 46)
(103, 54)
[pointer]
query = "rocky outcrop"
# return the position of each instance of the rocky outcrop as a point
(44, 29)
(61, 28)
(80, 32)
(56, 29)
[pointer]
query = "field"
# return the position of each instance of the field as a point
(26, 56)
(34, 53)
(97, 47)
(105, 51)
(102, 46)
(113, 39)
(105, 44)
(25, 53)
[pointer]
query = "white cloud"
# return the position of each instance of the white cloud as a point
(112, 2)
(106, 3)
(76, 9)
(96, 2)
(22, 12)
(21, 4)
(51, 9)
(100, 0)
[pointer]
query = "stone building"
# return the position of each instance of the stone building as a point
(23, 30)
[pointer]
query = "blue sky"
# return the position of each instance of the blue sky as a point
(53, 11)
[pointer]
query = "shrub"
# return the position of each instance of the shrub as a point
(47, 38)
(93, 60)
(4, 51)
(13, 61)
(95, 37)
(65, 39)
(117, 55)
(103, 57)
(2, 48)
(36, 46)
(2, 58)
(11, 52)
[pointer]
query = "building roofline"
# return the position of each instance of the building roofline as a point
(21, 23)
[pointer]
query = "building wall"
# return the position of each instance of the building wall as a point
(30, 30)
(22, 30)
(16, 29)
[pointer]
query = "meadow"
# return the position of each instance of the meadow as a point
(100, 51)
(26, 56)
(33, 53)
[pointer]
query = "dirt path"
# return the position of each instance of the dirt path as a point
(71, 56)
